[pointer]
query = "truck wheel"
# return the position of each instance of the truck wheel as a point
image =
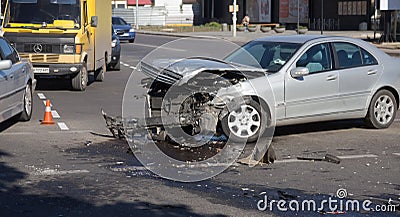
(79, 82)
(382, 110)
(26, 113)
(246, 123)
(99, 74)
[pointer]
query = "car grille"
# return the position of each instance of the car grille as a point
(46, 48)
(166, 76)
(121, 31)
(49, 58)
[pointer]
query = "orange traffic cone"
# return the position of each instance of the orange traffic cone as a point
(48, 117)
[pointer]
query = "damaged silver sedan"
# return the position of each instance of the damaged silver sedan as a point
(272, 81)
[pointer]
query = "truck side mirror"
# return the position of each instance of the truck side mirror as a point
(94, 21)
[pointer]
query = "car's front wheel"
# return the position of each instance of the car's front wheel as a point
(245, 123)
(382, 110)
(26, 113)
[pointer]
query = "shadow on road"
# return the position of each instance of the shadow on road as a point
(319, 127)
(16, 202)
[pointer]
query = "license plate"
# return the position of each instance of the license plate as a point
(125, 34)
(41, 70)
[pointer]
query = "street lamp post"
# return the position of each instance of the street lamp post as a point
(137, 12)
(322, 17)
(298, 16)
(234, 18)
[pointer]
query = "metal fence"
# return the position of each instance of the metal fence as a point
(160, 15)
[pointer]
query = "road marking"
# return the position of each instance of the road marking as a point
(55, 114)
(41, 96)
(161, 47)
(358, 156)
(62, 126)
(133, 67)
(126, 65)
(397, 154)
(340, 157)
(50, 172)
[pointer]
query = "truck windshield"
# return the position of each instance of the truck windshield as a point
(43, 11)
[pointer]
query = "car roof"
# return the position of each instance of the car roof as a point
(299, 38)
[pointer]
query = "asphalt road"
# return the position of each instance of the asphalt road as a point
(55, 171)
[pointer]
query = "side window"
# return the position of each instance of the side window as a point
(367, 58)
(7, 51)
(85, 14)
(316, 59)
(348, 55)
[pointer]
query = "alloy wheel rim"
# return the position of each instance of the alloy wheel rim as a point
(244, 122)
(384, 109)
(28, 100)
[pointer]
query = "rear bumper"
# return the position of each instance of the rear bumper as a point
(57, 69)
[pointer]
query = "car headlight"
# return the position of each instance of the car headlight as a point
(114, 43)
(68, 49)
(132, 30)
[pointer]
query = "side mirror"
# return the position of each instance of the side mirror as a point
(299, 72)
(5, 64)
(94, 21)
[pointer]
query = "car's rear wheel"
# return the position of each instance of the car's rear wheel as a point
(382, 110)
(26, 113)
(246, 123)
(131, 40)
(79, 82)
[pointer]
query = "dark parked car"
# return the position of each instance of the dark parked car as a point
(123, 29)
(116, 52)
(16, 84)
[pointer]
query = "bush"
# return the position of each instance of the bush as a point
(213, 24)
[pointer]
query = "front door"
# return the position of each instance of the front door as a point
(316, 93)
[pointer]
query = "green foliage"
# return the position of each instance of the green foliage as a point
(213, 24)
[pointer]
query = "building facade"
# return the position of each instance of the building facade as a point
(329, 14)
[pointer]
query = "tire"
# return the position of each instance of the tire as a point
(246, 123)
(382, 110)
(26, 113)
(80, 81)
(117, 66)
(131, 40)
(100, 73)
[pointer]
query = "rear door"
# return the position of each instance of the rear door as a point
(358, 71)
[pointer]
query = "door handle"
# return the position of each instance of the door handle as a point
(331, 77)
(11, 76)
(372, 72)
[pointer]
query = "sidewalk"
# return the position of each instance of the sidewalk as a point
(243, 37)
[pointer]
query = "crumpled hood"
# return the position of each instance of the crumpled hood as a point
(171, 70)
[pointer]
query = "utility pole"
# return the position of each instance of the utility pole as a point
(322, 17)
(298, 16)
(234, 18)
(137, 15)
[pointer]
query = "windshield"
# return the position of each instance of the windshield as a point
(43, 11)
(119, 21)
(271, 56)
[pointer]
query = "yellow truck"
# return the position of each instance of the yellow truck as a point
(62, 38)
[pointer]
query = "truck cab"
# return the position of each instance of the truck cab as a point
(62, 38)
